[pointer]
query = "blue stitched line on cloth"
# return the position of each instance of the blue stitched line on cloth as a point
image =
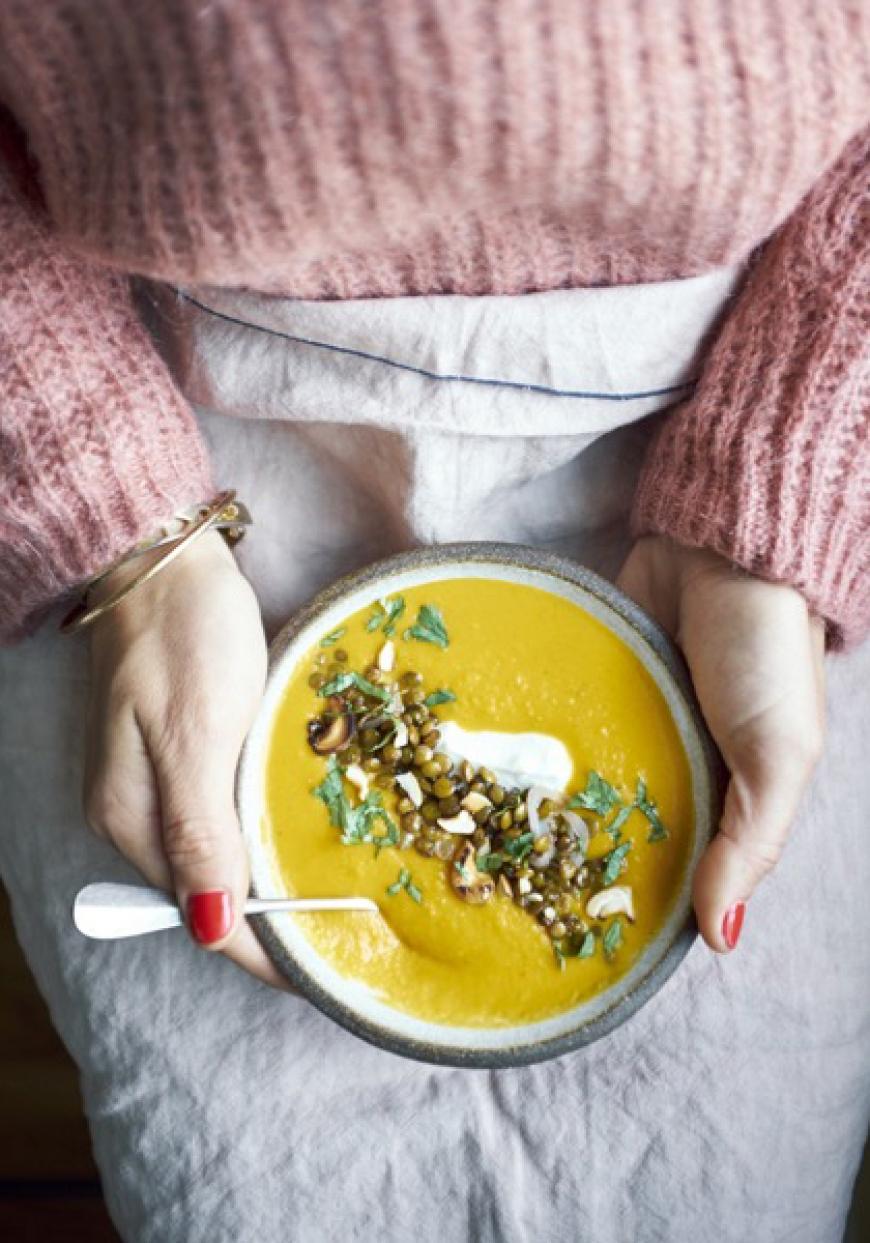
(434, 375)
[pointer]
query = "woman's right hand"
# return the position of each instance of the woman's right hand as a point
(177, 675)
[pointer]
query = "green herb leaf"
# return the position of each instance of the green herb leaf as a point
(616, 824)
(357, 824)
(333, 636)
(658, 832)
(431, 617)
(387, 738)
(429, 627)
(387, 611)
(647, 807)
(574, 949)
(612, 938)
(345, 680)
(362, 820)
(519, 847)
(615, 862)
(599, 796)
(331, 793)
(491, 861)
(405, 881)
(356, 829)
(439, 697)
(394, 608)
(390, 836)
(463, 871)
(587, 947)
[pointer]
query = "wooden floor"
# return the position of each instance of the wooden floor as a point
(49, 1189)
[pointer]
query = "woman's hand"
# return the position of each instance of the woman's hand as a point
(756, 659)
(178, 673)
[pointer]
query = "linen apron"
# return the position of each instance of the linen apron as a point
(386, 422)
(732, 1107)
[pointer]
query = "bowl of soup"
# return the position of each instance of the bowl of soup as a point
(504, 753)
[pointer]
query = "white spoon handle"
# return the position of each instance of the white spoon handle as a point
(106, 911)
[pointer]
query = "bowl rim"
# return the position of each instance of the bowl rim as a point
(520, 556)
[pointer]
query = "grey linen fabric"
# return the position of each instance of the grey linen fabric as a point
(733, 1107)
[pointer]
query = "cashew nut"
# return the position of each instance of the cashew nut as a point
(616, 900)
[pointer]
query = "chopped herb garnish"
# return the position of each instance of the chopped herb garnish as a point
(345, 680)
(520, 846)
(331, 792)
(647, 807)
(616, 824)
(587, 947)
(387, 612)
(612, 938)
(387, 738)
(356, 823)
(658, 832)
(439, 697)
(390, 836)
(429, 627)
(333, 636)
(492, 861)
(361, 820)
(463, 871)
(584, 948)
(379, 717)
(599, 796)
(615, 862)
(405, 881)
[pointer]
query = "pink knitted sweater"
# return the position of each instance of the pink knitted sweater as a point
(407, 147)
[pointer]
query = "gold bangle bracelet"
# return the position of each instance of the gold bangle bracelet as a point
(232, 527)
(222, 509)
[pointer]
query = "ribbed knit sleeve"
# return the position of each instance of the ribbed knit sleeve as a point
(769, 463)
(96, 446)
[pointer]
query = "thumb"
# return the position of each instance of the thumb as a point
(768, 774)
(202, 840)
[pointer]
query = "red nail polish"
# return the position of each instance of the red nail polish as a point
(210, 915)
(732, 923)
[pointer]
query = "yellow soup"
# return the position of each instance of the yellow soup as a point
(518, 660)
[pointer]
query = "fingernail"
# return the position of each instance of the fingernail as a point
(732, 923)
(210, 915)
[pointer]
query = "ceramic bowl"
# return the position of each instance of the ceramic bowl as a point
(352, 1004)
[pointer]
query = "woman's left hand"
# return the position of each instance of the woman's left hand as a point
(756, 658)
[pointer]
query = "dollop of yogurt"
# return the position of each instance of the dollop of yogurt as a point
(516, 759)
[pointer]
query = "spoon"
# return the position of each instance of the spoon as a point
(109, 911)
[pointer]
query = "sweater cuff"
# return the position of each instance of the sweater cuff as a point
(776, 510)
(769, 463)
(99, 448)
(97, 461)
(56, 539)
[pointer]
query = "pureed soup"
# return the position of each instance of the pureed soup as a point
(498, 771)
